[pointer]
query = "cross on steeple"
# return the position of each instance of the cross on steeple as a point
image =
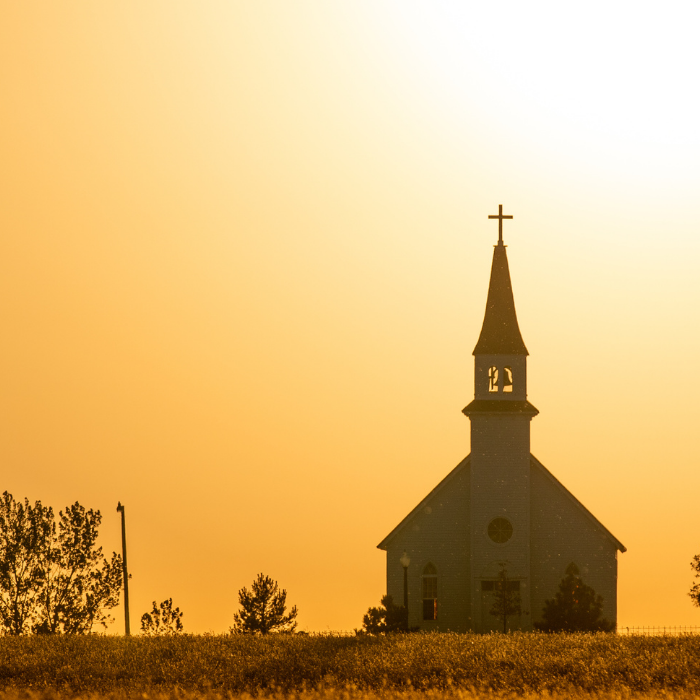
(500, 216)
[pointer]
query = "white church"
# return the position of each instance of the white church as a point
(499, 506)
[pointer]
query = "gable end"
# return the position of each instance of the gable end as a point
(384, 544)
(534, 462)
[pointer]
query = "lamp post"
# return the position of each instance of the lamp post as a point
(405, 561)
(127, 630)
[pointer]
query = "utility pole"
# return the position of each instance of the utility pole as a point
(127, 630)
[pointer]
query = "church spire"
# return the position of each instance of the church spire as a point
(500, 334)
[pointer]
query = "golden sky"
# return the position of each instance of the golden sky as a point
(244, 261)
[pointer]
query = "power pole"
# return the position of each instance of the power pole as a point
(127, 630)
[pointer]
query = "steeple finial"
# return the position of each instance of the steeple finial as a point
(500, 216)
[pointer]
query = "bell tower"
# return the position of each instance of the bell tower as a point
(500, 416)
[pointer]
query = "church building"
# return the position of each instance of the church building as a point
(499, 508)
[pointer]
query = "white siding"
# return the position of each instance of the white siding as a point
(437, 533)
(562, 532)
(552, 532)
(500, 488)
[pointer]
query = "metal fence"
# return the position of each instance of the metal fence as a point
(660, 631)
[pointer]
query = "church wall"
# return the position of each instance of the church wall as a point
(500, 486)
(562, 533)
(438, 533)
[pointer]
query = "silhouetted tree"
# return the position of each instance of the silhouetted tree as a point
(506, 600)
(695, 588)
(53, 579)
(263, 609)
(575, 608)
(389, 617)
(81, 585)
(162, 620)
(25, 542)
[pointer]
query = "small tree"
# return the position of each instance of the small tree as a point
(506, 602)
(163, 620)
(389, 617)
(81, 585)
(263, 609)
(53, 579)
(575, 608)
(695, 588)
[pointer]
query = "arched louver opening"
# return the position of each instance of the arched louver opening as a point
(508, 379)
(493, 380)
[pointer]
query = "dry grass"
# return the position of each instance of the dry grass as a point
(347, 694)
(398, 667)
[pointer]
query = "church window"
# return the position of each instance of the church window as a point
(507, 379)
(493, 379)
(429, 585)
(500, 530)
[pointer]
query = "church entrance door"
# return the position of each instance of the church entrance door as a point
(489, 622)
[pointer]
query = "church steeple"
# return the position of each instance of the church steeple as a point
(500, 334)
(500, 367)
(499, 464)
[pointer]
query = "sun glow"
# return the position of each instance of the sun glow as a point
(622, 73)
(245, 253)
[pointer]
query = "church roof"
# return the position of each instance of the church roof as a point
(500, 334)
(534, 463)
(464, 463)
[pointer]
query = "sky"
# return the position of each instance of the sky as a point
(244, 257)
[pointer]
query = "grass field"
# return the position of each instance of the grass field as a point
(400, 667)
(347, 694)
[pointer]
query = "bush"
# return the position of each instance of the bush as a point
(163, 619)
(695, 588)
(389, 617)
(575, 608)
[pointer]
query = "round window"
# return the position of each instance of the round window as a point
(500, 530)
